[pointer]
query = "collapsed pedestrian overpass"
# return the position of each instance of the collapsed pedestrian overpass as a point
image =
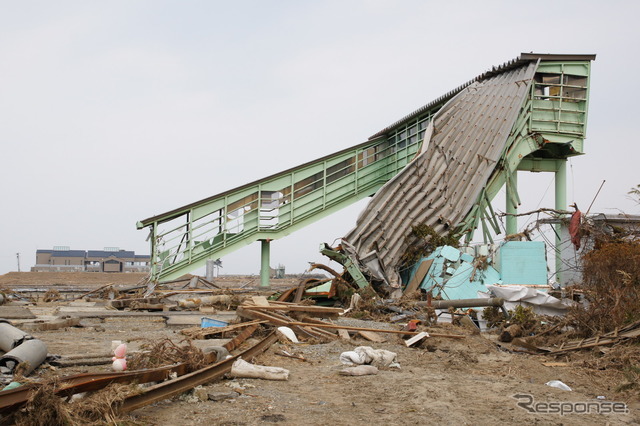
(440, 165)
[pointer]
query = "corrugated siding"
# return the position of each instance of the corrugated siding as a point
(441, 185)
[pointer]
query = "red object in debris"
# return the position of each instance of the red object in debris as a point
(413, 325)
(574, 228)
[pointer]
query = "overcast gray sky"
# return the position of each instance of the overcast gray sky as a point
(112, 112)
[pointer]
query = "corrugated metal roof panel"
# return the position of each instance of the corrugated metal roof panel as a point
(442, 184)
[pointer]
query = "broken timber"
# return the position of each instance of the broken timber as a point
(629, 332)
(281, 320)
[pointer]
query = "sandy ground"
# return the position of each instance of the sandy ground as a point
(446, 381)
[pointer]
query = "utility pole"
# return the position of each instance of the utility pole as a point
(18, 256)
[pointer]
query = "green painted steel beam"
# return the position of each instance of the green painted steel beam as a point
(561, 204)
(348, 264)
(550, 128)
(512, 202)
(273, 207)
(265, 263)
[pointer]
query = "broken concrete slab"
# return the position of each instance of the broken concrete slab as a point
(16, 312)
(222, 396)
(52, 325)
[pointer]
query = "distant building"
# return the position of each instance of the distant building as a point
(111, 259)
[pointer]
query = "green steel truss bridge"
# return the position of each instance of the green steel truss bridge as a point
(548, 127)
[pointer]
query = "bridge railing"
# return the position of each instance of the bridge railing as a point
(275, 206)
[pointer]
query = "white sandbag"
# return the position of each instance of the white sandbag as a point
(361, 370)
(243, 369)
(368, 355)
(377, 357)
(351, 358)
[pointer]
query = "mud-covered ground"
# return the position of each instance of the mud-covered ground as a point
(446, 381)
(467, 381)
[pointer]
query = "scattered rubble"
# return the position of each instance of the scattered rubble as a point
(171, 367)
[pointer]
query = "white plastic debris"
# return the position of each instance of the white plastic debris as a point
(368, 355)
(242, 368)
(558, 384)
(288, 333)
(355, 301)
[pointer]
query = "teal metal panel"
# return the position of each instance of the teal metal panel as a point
(523, 262)
(453, 275)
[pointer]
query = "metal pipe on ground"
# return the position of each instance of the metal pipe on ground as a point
(463, 303)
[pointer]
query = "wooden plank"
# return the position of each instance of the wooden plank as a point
(344, 334)
(259, 315)
(201, 333)
(260, 301)
(299, 292)
(318, 311)
(376, 330)
(418, 276)
(286, 294)
(416, 339)
(298, 308)
(372, 336)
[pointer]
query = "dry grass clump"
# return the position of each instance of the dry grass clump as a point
(51, 295)
(164, 352)
(422, 241)
(624, 357)
(102, 406)
(611, 286)
(45, 408)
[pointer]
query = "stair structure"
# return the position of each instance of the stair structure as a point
(447, 161)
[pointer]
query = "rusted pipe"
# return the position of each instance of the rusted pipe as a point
(463, 303)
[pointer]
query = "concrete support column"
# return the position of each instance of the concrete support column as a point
(561, 204)
(265, 268)
(512, 210)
